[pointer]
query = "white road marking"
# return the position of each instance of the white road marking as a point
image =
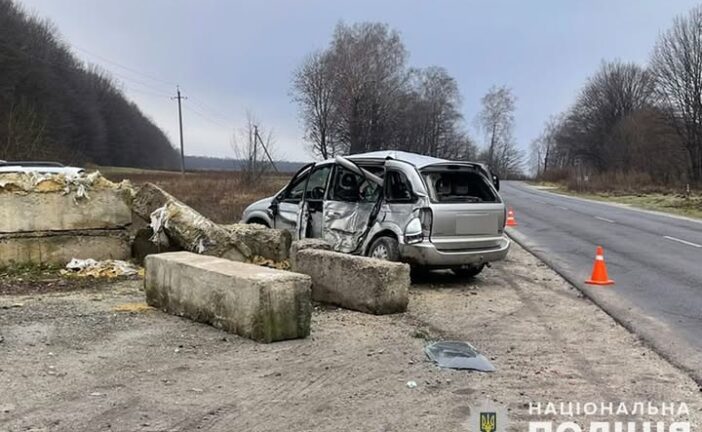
(618, 205)
(604, 219)
(683, 241)
(563, 208)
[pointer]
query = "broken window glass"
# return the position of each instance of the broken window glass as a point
(457, 355)
(351, 187)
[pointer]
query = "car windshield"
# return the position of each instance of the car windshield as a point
(458, 186)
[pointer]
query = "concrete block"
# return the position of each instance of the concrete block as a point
(270, 243)
(259, 303)
(187, 228)
(354, 282)
(304, 244)
(35, 211)
(59, 248)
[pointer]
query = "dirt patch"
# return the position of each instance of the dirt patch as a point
(69, 362)
(37, 279)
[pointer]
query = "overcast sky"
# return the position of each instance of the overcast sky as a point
(233, 56)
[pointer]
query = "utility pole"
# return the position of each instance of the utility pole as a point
(180, 123)
(255, 148)
(257, 136)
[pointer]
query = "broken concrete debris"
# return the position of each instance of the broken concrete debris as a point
(194, 232)
(355, 282)
(174, 224)
(457, 355)
(100, 269)
(51, 218)
(259, 303)
(273, 244)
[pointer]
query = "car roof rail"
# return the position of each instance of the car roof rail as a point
(32, 164)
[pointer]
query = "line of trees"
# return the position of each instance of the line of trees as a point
(634, 120)
(359, 95)
(53, 107)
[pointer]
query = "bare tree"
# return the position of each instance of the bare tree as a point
(616, 91)
(368, 61)
(677, 67)
(440, 93)
(357, 95)
(253, 145)
(496, 120)
(313, 90)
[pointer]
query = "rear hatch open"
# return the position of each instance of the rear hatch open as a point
(467, 210)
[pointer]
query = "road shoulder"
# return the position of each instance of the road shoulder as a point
(72, 362)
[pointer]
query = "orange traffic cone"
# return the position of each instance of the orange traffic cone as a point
(510, 218)
(599, 270)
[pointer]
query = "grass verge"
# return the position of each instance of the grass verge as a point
(672, 203)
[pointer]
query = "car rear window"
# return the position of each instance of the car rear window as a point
(458, 186)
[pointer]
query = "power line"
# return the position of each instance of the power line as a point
(205, 117)
(114, 63)
(207, 108)
(153, 91)
(68, 67)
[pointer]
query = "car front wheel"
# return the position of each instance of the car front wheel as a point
(385, 248)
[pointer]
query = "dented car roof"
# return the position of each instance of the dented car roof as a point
(418, 160)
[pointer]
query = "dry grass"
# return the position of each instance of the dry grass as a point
(220, 196)
(635, 189)
(690, 206)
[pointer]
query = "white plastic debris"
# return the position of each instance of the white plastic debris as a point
(411, 384)
(107, 268)
(159, 221)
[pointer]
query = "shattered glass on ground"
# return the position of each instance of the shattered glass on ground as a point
(457, 355)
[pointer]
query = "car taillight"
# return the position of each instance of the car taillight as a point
(425, 217)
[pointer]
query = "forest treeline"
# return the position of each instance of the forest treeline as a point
(640, 125)
(52, 107)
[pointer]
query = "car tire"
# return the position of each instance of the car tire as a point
(257, 222)
(385, 248)
(468, 272)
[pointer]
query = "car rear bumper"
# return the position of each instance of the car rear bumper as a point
(426, 254)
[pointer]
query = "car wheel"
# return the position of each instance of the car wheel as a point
(385, 248)
(258, 222)
(468, 271)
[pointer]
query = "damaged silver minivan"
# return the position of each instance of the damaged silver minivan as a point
(428, 212)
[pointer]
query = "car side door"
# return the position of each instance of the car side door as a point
(287, 205)
(348, 208)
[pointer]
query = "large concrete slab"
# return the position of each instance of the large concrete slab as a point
(256, 302)
(303, 244)
(54, 211)
(59, 248)
(354, 282)
(269, 243)
(187, 228)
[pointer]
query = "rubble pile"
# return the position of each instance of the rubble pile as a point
(100, 269)
(53, 218)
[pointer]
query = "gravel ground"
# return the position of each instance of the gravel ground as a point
(70, 361)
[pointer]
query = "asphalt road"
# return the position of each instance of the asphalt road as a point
(654, 259)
